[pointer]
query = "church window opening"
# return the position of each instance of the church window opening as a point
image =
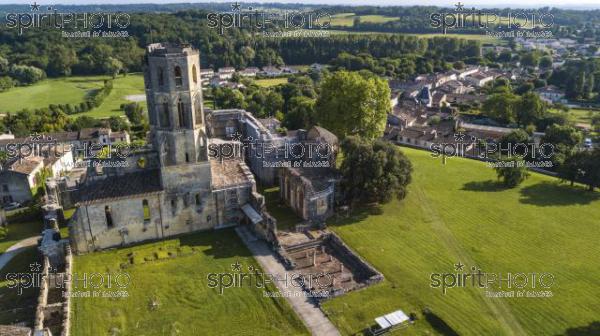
(178, 77)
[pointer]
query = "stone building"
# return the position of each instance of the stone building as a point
(309, 186)
(173, 186)
(302, 163)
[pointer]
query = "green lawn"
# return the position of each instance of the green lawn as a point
(169, 293)
(458, 213)
(578, 115)
(73, 90)
(123, 86)
(286, 218)
(18, 307)
(268, 82)
(17, 231)
(70, 90)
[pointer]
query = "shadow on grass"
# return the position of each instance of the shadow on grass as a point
(487, 186)
(222, 244)
(439, 325)
(553, 194)
(588, 330)
(356, 215)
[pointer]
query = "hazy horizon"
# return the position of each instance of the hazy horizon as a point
(493, 3)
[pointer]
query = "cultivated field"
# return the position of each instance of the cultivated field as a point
(169, 293)
(458, 213)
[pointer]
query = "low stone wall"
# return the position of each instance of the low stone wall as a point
(45, 309)
(67, 292)
(363, 274)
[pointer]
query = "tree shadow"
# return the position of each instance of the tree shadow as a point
(358, 214)
(439, 325)
(588, 330)
(486, 186)
(553, 194)
(222, 243)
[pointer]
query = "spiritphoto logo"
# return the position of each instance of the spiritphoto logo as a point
(462, 18)
(255, 19)
(82, 284)
(93, 24)
(45, 146)
(251, 276)
(531, 154)
(273, 154)
(508, 284)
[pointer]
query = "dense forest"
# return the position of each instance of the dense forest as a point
(58, 56)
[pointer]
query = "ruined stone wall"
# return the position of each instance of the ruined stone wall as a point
(90, 231)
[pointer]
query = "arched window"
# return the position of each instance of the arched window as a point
(181, 113)
(108, 215)
(178, 78)
(164, 115)
(146, 208)
(194, 75)
(161, 77)
(187, 157)
(198, 200)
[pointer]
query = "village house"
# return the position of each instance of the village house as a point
(226, 72)
(249, 72)
(551, 94)
(479, 79)
(19, 179)
(271, 71)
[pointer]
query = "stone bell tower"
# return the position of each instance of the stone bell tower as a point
(176, 115)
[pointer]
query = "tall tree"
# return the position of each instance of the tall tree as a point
(351, 104)
(373, 171)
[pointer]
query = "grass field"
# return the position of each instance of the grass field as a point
(476, 37)
(268, 82)
(18, 231)
(74, 90)
(71, 90)
(458, 213)
(347, 19)
(123, 86)
(169, 295)
(578, 115)
(286, 218)
(18, 307)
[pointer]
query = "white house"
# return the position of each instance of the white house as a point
(249, 72)
(551, 94)
(226, 73)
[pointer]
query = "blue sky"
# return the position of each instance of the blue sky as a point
(480, 3)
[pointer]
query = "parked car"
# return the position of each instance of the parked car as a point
(12, 206)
